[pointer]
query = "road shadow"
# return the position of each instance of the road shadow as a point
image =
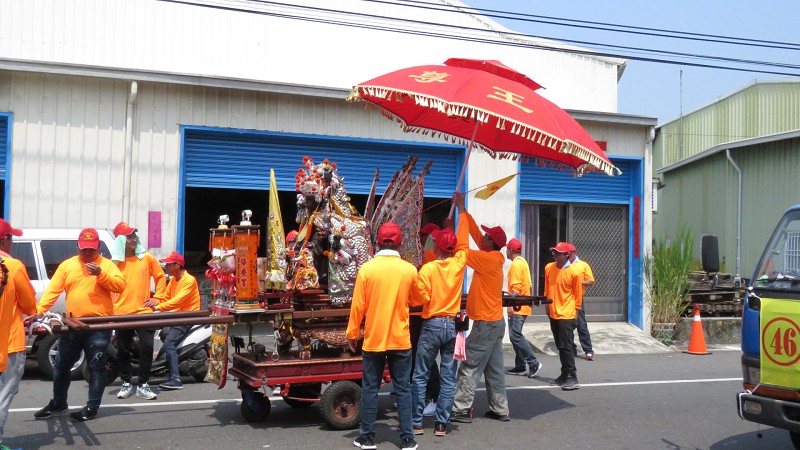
(771, 439)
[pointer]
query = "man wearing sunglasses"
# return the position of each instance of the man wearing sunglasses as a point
(562, 284)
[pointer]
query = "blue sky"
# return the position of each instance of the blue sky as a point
(653, 89)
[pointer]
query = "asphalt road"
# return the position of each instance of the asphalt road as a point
(652, 401)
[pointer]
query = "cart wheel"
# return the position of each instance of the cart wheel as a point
(310, 391)
(255, 406)
(340, 405)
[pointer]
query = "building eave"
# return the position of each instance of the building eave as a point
(730, 146)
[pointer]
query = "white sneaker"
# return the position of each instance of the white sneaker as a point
(430, 409)
(125, 391)
(144, 391)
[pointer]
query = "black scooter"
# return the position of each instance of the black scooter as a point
(193, 353)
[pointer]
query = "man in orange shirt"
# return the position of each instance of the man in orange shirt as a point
(89, 281)
(519, 283)
(587, 278)
(484, 345)
(137, 267)
(380, 300)
(562, 284)
(415, 325)
(17, 298)
(438, 289)
(182, 295)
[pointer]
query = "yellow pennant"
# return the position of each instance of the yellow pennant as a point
(493, 187)
(780, 343)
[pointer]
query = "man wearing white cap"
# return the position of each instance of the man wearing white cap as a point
(17, 298)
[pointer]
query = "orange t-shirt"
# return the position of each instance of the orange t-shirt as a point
(87, 295)
(519, 282)
(137, 273)
(182, 295)
(18, 297)
(485, 295)
(440, 282)
(563, 286)
(586, 275)
(380, 300)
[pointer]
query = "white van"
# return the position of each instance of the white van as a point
(42, 250)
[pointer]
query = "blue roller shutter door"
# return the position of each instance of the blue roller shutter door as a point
(215, 158)
(547, 184)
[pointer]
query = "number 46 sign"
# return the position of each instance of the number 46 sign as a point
(780, 343)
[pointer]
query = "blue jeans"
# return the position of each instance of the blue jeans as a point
(583, 333)
(399, 368)
(437, 337)
(70, 346)
(522, 349)
(173, 336)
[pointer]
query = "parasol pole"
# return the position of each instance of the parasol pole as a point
(464, 167)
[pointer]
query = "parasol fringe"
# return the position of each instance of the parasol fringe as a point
(592, 161)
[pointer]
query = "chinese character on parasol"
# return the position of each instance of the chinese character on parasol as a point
(487, 105)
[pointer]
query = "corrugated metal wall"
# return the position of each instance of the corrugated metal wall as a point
(703, 196)
(67, 150)
(157, 36)
(758, 110)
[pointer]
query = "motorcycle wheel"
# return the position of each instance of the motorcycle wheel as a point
(46, 358)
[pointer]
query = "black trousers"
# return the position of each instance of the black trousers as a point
(564, 335)
(125, 348)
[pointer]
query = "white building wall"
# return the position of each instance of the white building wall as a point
(159, 36)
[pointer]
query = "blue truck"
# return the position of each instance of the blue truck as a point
(771, 333)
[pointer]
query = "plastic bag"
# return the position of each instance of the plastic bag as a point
(460, 352)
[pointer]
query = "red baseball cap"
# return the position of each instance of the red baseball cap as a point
(6, 229)
(174, 257)
(428, 228)
(572, 248)
(497, 234)
(515, 245)
(88, 239)
(445, 239)
(562, 247)
(123, 229)
(390, 233)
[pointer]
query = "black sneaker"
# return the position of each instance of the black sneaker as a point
(464, 417)
(84, 414)
(440, 429)
(534, 369)
(408, 444)
(571, 384)
(558, 381)
(496, 416)
(50, 411)
(366, 442)
(516, 371)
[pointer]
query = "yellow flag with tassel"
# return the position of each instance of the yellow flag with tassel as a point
(493, 187)
(275, 276)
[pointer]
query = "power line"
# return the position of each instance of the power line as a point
(601, 26)
(430, 33)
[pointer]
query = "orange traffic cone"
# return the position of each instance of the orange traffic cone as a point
(697, 340)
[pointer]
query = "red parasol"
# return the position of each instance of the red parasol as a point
(488, 105)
